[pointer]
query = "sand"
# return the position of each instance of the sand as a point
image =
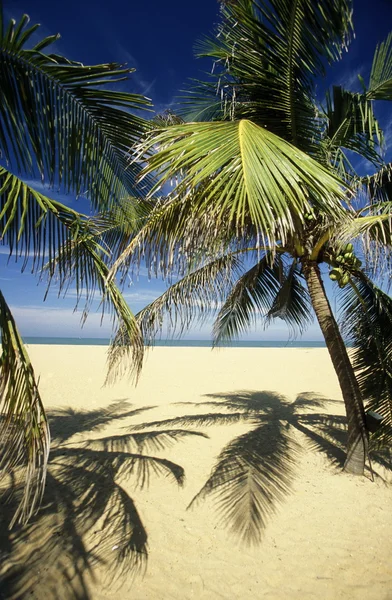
(319, 533)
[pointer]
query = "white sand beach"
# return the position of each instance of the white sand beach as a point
(325, 534)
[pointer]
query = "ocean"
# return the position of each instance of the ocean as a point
(65, 341)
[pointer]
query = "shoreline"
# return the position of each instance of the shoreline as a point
(177, 343)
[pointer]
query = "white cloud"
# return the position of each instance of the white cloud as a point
(42, 321)
(141, 296)
(349, 78)
(145, 296)
(144, 87)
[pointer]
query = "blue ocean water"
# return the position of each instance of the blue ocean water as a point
(64, 341)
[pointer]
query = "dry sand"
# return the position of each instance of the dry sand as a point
(327, 536)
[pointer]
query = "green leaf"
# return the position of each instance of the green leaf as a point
(380, 83)
(351, 125)
(379, 185)
(292, 303)
(367, 318)
(80, 262)
(246, 171)
(24, 431)
(267, 55)
(252, 296)
(58, 117)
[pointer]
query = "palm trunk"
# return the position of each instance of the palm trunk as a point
(357, 443)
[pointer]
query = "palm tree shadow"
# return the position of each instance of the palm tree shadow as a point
(254, 472)
(87, 518)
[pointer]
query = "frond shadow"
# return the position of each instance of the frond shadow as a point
(87, 518)
(254, 472)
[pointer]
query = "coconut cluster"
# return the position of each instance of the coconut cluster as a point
(343, 264)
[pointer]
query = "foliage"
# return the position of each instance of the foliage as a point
(266, 183)
(61, 125)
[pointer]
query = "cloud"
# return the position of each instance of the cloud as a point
(43, 321)
(124, 56)
(146, 296)
(348, 78)
(140, 296)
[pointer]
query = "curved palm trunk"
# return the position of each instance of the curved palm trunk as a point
(357, 445)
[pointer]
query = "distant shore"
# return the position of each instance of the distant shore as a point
(323, 535)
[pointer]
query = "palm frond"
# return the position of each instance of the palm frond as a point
(118, 227)
(380, 83)
(262, 180)
(58, 118)
(371, 229)
(375, 226)
(292, 303)
(367, 318)
(24, 431)
(173, 240)
(352, 125)
(154, 243)
(32, 225)
(205, 101)
(252, 475)
(379, 185)
(267, 55)
(252, 295)
(80, 262)
(195, 296)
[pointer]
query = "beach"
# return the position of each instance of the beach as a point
(321, 534)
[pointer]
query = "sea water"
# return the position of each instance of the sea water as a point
(65, 341)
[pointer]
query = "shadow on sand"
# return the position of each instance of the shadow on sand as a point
(86, 517)
(254, 471)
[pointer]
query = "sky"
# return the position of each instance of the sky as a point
(157, 39)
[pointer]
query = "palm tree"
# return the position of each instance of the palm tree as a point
(87, 517)
(265, 194)
(61, 125)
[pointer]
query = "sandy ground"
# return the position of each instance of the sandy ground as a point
(300, 530)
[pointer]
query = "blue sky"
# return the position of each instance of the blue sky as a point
(157, 39)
